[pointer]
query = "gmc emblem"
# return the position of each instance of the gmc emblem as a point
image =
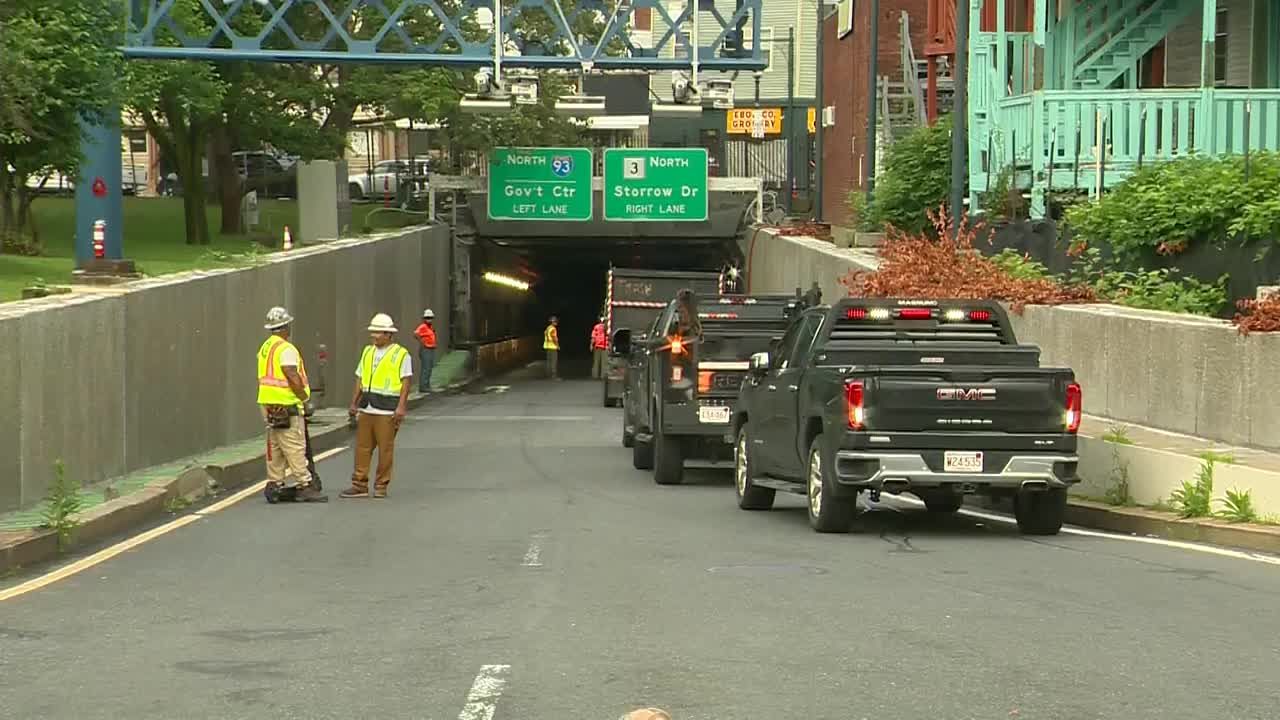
(966, 393)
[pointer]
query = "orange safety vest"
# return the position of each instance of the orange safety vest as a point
(598, 340)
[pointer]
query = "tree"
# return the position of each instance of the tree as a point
(58, 64)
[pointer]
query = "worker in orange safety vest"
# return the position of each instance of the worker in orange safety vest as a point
(599, 349)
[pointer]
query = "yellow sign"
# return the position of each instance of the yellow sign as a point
(813, 117)
(742, 120)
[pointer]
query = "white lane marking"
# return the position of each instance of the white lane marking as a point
(1071, 530)
(533, 556)
(504, 418)
(255, 488)
(107, 553)
(482, 701)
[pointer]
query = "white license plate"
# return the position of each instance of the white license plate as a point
(962, 462)
(712, 414)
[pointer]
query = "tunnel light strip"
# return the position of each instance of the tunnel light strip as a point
(499, 279)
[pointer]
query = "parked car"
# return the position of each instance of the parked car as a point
(385, 178)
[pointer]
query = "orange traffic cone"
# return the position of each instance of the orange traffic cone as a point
(288, 239)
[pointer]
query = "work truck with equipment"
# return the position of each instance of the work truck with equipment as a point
(683, 377)
(633, 298)
(932, 397)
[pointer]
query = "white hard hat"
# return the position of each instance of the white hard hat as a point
(277, 317)
(428, 313)
(382, 323)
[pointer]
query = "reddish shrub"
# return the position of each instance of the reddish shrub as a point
(1258, 315)
(920, 266)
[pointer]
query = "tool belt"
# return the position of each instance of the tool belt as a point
(280, 417)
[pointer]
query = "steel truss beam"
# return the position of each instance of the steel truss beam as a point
(540, 34)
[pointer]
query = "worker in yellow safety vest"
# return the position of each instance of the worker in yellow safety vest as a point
(551, 344)
(379, 404)
(283, 393)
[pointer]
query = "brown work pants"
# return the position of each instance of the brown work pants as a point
(374, 431)
(287, 453)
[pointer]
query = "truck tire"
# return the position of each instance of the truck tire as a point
(668, 460)
(641, 454)
(941, 502)
(827, 514)
(1040, 512)
(750, 495)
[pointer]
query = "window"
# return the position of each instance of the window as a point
(844, 17)
(1220, 48)
(766, 43)
(807, 333)
(137, 141)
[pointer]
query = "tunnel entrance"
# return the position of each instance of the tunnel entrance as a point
(511, 277)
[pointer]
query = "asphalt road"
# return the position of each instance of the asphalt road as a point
(521, 569)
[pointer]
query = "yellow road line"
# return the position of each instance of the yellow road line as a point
(106, 554)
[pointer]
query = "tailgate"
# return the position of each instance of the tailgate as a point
(724, 351)
(1028, 400)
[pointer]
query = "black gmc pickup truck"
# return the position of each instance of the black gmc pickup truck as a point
(680, 389)
(931, 397)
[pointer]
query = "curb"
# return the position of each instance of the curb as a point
(1153, 523)
(114, 517)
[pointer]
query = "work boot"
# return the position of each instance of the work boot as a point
(353, 492)
(310, 494)
(379, 493)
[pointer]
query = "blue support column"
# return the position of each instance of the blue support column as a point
(99, 195)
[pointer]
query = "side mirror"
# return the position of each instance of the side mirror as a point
(759, 363)
(621, 342)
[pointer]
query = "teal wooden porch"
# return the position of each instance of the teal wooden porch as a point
(1072, 99)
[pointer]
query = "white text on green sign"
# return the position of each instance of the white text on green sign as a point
(655, 185)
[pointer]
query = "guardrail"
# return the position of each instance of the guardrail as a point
(502, 355)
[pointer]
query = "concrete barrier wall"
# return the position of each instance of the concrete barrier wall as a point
(1181, 373)
(127, 377)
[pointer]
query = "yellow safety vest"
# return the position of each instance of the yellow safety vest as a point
(551, 339)
(273, 386)
(380, 384)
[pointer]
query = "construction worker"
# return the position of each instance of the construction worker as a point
(599, 349)
(283, 393)
(379, 403)
(426, 335)
(551, 344)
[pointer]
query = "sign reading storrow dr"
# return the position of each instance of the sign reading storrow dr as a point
(653, 185)
(540, 184)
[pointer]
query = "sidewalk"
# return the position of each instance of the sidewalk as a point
(111, 507)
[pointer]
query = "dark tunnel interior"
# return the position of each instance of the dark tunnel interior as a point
(569, 281)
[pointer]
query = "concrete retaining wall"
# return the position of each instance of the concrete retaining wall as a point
(128, 377)
(1183, 373)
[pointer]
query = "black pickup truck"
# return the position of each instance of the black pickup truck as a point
(931, 397)
(679, 392)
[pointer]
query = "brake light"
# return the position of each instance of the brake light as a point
(915, 313)
(704, 381)
(718, 316)
(980, 315)
(1075, 407)
(856, 313)
(853, 396)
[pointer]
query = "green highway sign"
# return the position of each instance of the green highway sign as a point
(540, 184)
(651, 185)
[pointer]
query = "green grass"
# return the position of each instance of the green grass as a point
(155, 240)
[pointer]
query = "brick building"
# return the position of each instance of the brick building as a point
(846, 60)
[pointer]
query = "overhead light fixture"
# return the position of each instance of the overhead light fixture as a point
(676, 110)
(479, 104)
(580, 105)
(506, 281)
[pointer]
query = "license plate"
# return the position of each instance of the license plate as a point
(712, 414)
(962, 462)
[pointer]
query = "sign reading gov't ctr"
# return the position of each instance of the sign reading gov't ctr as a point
(540, 184)
(651, 185)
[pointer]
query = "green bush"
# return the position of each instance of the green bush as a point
(1165, 208)
(1161, 289)
(1195, 499)
(916, 179)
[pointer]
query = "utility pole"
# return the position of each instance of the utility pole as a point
(792, 121)
(960, 114)
(874, 86)
(819, 100)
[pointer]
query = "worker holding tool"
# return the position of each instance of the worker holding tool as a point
(599, 350)
(426, 335)
(283, 395)
(379, 404)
